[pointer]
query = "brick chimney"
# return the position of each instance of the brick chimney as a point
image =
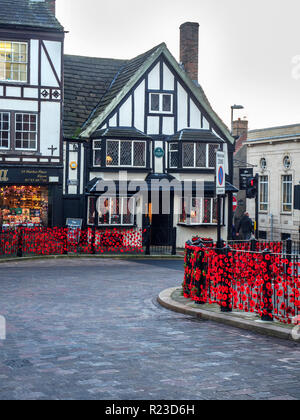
(239, 127)
(51, 5)
(189, 48)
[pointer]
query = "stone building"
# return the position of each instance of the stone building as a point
(275, 152)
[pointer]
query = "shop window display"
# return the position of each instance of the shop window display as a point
(23, 205)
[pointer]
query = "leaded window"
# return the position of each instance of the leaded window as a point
(200, 211)
(173, 155)
(4, 130)
(26, 131)
(126, 153)
(199, 155)
(97, 147)
(13, 61)
(116, 211)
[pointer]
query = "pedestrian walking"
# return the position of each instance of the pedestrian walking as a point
(245, 227)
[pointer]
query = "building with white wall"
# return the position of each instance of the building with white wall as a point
(275, 154)
(146, 119)
(31, 94)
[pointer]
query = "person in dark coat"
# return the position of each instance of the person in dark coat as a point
(245, 225)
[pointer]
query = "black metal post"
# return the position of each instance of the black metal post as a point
(148, 241)
(219, 241)
(93, 240)
(257, 212)
(253, 243)
(174, 241)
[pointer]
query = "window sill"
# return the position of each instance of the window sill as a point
(198, 225)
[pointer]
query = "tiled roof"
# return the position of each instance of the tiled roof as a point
(26, 13)
(120, 132)
(275, 132)
(86, 80)
(205, 136)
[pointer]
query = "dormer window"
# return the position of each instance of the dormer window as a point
(161, 103)
(13, 61)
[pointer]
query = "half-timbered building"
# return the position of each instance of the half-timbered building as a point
(31, 88)
(145, 119)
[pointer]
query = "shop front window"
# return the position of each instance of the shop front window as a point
(23, 205)
(112, 211)
(200, 211)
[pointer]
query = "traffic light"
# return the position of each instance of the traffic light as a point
(252, 187)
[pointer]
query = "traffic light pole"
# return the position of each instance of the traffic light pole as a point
(257, 215)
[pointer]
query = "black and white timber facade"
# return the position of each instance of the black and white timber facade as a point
(31, 95)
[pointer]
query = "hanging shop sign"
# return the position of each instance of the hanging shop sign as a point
(22, 175)
(73, 165)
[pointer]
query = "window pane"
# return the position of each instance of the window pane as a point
(127, 216)
(139, 153)
(104, 213)
(115, 211)
(188, 152)
(126, 153)
(112, 153)
(207, 210)
(212, 155)
(287, 185)
(196, 210)
(26, 133)
(4, 129)
(201, 155)
(154, 102)
(14, 57)
(167, 103)
(91, 211)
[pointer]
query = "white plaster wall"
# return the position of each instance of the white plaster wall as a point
(139, 107)
(168, 126)
(18, 105)
(34, 62)
(125, 113)
(153, 125)
(168, 79)
(195, 115)
(54, 51)
(47, 75)
(182, 107)
(153, 78)
(50, 127)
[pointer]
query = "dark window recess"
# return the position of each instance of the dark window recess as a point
(167, 103)
(285, 236)
(262, 235)
(154, 102)
(4, 129)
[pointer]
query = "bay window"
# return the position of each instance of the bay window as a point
(13, 61)
(122, 153)
(117, 211)
(200, 211)
(199, 155)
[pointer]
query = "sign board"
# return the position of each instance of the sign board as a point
(220, 173)
(26, 175)
(74, 229)
(234, 203)
(245, 174)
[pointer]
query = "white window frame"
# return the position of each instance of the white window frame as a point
(195, 156)
(8, 131)
(132, 153)
(161, 95)
(29, 132)
(263, 184)
(121, 208)
(19, 63)
(287, 183)
(94, 150)
(201, 200)
(173, 151)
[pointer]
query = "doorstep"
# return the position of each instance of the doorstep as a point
(172, 299)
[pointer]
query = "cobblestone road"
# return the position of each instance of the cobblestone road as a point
(91, 329)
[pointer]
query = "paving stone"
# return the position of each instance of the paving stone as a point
(92, 329)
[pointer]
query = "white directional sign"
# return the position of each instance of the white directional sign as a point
(220, 173)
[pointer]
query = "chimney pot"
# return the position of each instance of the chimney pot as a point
(189, 48)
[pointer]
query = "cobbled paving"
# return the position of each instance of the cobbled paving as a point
(91, 329)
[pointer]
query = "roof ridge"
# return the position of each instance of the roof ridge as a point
(273, 128)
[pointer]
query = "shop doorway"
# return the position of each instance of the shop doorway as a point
(161, 224)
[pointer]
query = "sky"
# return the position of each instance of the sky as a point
(249, 50)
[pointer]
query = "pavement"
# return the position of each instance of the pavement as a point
(92, 329)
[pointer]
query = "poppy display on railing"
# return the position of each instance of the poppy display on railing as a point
(58, 241)
(261, 282)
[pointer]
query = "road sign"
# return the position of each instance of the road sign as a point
(245, 174)
(234, 203)
(220, 173)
